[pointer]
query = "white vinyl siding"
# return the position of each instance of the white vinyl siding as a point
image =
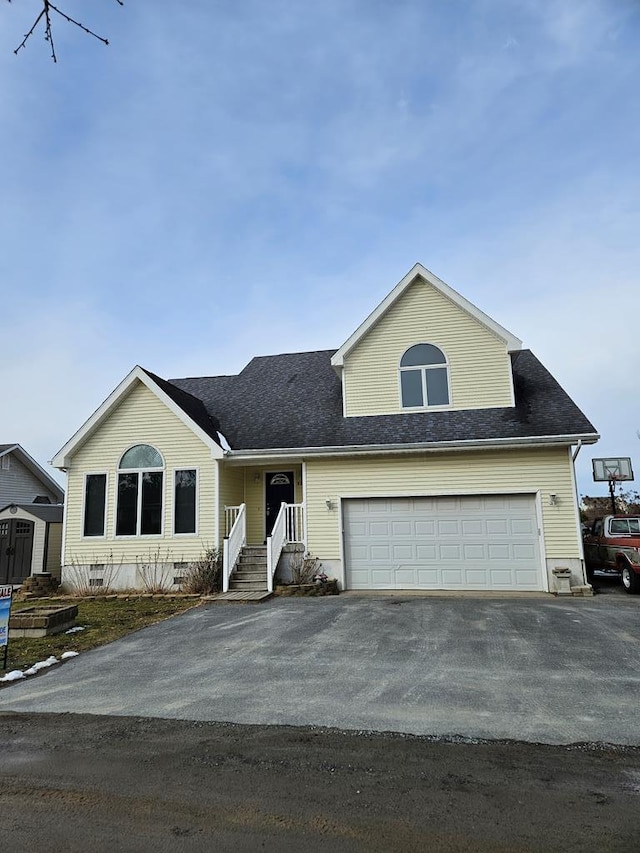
(525, 471)
(479, 364)
(140, 418)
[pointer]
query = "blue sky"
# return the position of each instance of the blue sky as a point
(236, 179)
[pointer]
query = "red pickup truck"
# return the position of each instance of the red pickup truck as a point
(612, 544)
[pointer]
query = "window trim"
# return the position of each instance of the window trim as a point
(423, 368)
(138, 472)
(84, 504)
(173, 500)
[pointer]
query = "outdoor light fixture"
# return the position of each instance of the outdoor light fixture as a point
(329, 503)
(553, 500)
(256, 477)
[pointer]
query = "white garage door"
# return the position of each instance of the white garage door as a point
(466, 542)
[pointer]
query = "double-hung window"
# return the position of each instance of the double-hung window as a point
(424, 377)
(140, 489)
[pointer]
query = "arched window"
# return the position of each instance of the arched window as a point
(424, 377)
(140, 490)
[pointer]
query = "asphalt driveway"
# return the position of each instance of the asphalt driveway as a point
(534, 669)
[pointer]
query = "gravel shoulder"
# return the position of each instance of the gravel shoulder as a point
(78, 782)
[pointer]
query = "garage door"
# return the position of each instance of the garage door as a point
(466, 542)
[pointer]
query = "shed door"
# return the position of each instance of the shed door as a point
(16, 546)
(460, 542)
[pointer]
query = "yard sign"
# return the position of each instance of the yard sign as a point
(5, 609)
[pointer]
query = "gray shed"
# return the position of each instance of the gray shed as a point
(30, 541)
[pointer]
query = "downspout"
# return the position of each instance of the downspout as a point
(574, 456)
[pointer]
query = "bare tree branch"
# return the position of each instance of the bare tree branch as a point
(45, 12)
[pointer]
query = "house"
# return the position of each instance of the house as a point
(430, 451)
(30, 517)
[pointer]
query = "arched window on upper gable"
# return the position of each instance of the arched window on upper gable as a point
(424, 377)
(140, 490)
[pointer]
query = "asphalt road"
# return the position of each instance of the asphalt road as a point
(536, 669)
(77, 783)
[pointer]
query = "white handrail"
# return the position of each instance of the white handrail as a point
(275, 543)
(295, 523)
(230, 515)
(233, 544)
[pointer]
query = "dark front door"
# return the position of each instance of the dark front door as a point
(16, 545)
(279, 488)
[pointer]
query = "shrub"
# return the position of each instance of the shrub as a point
(304, 568)
(202, 577)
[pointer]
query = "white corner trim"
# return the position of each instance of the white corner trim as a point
(418, 271)
(62, 459)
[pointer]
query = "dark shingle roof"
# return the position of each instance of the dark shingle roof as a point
(189, 404)
(46, 512)
(295, 400)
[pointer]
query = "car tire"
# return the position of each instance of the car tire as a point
(630, 580)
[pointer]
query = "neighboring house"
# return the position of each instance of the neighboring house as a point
(30, 517)
(428, 452)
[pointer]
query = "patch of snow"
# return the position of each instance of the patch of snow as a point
(224, 444)
(74, 629)
(67, 655)
(42, 664)
(14, 675)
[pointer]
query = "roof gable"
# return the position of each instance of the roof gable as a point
(37, 470)
(419, 272)
(187, 408)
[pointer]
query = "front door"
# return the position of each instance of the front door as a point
(279, 488)
(16, 545)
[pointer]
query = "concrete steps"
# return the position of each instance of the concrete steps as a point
(250, 574)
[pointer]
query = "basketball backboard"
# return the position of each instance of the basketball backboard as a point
(616, 468)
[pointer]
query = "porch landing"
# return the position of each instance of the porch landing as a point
(254, 595)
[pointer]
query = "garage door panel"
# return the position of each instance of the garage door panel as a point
(450, 552)
(523, 552)
(452, 542)
(522, 527)
(448, 527)
(426, 553)
(452, 577)
(499, 552)
(474, 552)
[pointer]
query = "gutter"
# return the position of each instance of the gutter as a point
(433, 447)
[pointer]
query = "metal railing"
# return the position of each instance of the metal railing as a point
(233, 542)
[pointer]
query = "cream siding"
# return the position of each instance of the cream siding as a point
(231, 491)
(485, 472)
(479, 364)
(254, 496)
(140, 418)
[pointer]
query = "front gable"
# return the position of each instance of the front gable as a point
(423, 310)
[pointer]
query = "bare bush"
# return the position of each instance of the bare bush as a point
(304, 568)
(202, 576)
(95, 578)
